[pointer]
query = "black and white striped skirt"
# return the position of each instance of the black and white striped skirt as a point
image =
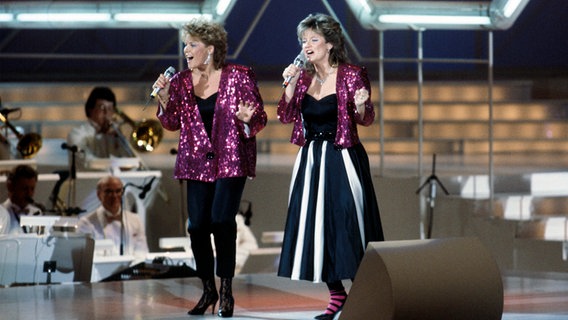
(332, 214)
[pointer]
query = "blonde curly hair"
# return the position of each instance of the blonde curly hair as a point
(211, 34)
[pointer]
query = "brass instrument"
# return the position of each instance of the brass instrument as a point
(29, 144)
(146, 134)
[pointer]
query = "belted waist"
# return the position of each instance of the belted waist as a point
(321, 136)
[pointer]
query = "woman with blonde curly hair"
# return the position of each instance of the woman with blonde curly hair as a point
(218, 109)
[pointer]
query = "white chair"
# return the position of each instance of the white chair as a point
(49, 223)
(173, 257)
(170, 243)
(9, 250)
(272, 237)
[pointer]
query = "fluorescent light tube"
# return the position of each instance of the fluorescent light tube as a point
(434, 19)
(158, 17)
(63, 17)
(6, 17)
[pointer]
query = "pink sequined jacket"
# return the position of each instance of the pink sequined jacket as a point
(231, 152)
(349, 79)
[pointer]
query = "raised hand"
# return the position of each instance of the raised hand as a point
(245, 111)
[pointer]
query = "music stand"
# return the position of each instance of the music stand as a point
(71, 196)
(72, 208)
(431, 182)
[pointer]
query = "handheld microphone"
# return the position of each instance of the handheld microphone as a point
(298, 62)
(170, 71)
(6, 111)
(146, 188)
(65, 146)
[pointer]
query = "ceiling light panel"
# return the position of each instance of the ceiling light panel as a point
(109, 14)
(480, 15)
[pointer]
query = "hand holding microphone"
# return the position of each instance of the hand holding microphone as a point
(162, 81)
(293, 69)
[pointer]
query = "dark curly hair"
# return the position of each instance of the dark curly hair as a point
(211, 34)
(331, 30)
(98, 93)
(22, 171)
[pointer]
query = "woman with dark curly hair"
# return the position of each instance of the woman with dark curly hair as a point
(333, 212)
(218, 110)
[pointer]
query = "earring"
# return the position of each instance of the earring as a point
(207, 59)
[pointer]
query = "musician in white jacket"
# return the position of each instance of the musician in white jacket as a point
(106, 222)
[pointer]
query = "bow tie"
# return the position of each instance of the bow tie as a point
(110, 218)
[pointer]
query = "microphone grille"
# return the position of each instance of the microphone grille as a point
(301, 57)
(170, 71)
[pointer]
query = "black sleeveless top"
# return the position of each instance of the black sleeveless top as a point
(207, 110)
(320, 117)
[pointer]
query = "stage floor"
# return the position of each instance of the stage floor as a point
(528, 296)
(258, 296)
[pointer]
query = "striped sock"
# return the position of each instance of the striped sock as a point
(336, 301)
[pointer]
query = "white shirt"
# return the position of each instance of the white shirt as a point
(93, 145)
(10, 218)
(97, 224)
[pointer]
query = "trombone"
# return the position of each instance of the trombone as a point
(28, 145)
(146, 135)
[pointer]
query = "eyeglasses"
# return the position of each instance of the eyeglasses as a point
(111, 191)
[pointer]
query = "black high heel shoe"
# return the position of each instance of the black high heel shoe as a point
(227, 302)
(208, 298)
(325, 316)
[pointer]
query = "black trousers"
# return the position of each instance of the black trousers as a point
(212, 207)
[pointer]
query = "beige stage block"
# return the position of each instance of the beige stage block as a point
(453, 278)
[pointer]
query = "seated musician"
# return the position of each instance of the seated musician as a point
(20, 184)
